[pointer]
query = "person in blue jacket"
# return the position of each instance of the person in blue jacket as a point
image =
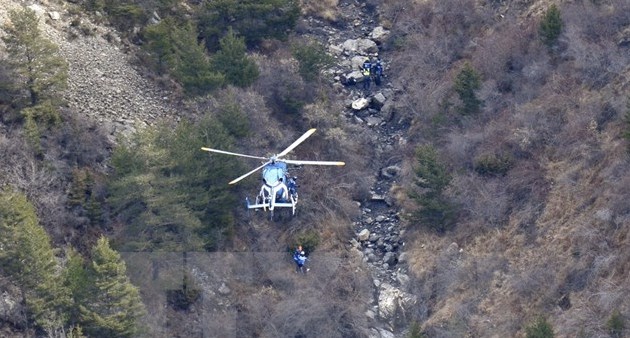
(377, 71)
(299, 257)
(366, 70)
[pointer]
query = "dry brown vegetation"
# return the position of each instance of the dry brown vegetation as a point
(550, 236)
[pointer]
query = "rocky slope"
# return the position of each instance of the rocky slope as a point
(102, 82)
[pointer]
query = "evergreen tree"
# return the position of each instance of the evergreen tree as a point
(540, 329)
(551, 26)
(170, 195)
(113, 305)
(42, 73)
(175, 50)
(467, 83)
(254, 20)
(432, 178)
(232, 61)
(27, 256)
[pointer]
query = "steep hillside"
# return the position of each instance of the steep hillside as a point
(527, 128)
(548, 234)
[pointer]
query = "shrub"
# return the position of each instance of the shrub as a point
(466, 83)
(616, 325)
(415, 331)
(493, 164)
(551, 26)
(312, 58)
(539, 329)
(309, 240)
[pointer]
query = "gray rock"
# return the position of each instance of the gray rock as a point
(54, 16)
(360, 104)
(373, 121)
(402, 278)
(366, 46)
(380, 218)
(388, 298)
(378, 100)
(357, 61)
(364, 235)
(390, 171)
(377, 198)
(370, 314)
(335, 49)
(386, 333)
(224, 290)
(374, 237)
(379, 34)
(350, 45)
(604, 214)
(390, 258)
(623, 38)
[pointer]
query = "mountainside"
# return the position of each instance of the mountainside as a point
(484, 194)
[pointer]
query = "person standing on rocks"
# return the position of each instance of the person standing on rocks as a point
(377, 71)
(366, 70)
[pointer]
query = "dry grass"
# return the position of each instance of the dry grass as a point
(558, 220)
(325, 9)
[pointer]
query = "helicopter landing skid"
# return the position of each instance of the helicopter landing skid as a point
(266, 206)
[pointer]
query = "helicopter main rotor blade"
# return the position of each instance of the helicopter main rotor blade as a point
(314, 162)
(230, 153)
(249, 173)
(297, 142)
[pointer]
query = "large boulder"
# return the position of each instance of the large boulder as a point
(379, 34)
(363, 235)
(359, 46)
(379, 100)
(393, 302)
(360, 104)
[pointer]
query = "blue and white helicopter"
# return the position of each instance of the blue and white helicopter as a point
(278, 189)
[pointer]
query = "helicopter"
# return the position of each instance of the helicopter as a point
(278, 189)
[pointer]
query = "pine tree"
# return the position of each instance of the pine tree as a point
(232, 61)
(175, 50)
(28, 257)
(467, 83)
(170, 197)
(551, 26)
(254, 20)
(432, 178)
(42, 73)
(113, 305)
